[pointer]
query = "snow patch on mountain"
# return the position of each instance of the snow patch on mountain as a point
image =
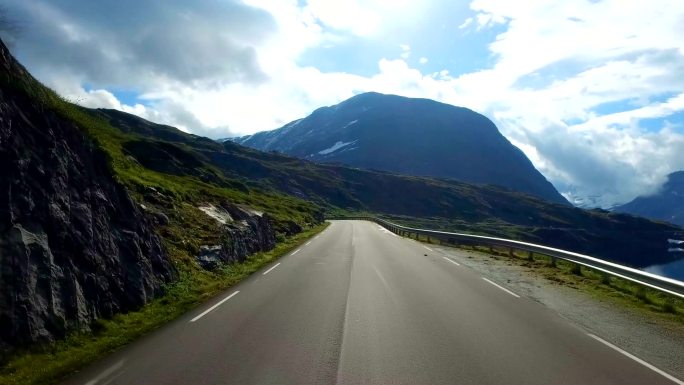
(350, 124)
(335, 147)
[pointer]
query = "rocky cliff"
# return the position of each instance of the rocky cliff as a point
(73, 245)
(243, 232)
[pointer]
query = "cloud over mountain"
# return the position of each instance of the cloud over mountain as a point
(593, 92)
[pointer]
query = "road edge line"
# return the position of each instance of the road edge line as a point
(637, 359)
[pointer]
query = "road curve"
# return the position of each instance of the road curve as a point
(359, 305)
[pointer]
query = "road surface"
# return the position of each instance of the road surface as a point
(360, 305)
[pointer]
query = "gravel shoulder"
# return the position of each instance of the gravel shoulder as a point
(652, 338)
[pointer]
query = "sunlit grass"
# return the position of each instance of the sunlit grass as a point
(600, 285)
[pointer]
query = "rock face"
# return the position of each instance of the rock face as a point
(74, 247)
(408, 136)
(242, 233)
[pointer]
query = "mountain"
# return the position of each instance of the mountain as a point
(101, 210)
(408, 136)
(665, 205)
(450, 204)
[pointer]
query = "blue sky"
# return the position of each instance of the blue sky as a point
(591, 91)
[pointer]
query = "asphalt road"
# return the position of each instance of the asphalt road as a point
(359, 305)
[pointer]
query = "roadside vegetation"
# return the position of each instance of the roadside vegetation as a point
(619, 291)
(171, 199)
(49, 364)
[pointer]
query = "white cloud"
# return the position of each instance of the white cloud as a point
(235, 68)
(362, 18)
(466, 23)
(405, 51)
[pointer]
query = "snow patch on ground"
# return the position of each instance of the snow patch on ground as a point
(219, 214)
(335, 147)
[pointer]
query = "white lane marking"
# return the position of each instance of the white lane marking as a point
(113, 378)
(427, 248)
(384, 230)
(384, 281)
(274, 266)
(106, 373)
(293, 253)
(452, 261)
(214, 307)
(502, 288)
(637, 359)
(307, 244)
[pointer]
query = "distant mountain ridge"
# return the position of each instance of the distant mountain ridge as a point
(408, 136)
(482, 209)
(666, 205)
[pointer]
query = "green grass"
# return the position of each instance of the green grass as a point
(49, 364)
(136, 178)
(187, 229)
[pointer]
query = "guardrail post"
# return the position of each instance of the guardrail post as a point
(554, 262)
(510, 252)
(530, 256)
(669, 305)
(605, 279)
(641, 294)
(576, 269)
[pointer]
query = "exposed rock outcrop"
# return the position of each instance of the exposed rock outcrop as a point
(243, 232)
(74, 247)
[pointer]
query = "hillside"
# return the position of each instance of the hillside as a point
(665, 205)
(86, 232)
(408, 136)
(450, 204)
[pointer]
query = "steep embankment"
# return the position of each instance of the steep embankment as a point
(86, 231)
(408, 136)
(73, 245)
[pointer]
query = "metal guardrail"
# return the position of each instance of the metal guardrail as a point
(663, 284)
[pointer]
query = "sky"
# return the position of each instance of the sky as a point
(591, 90)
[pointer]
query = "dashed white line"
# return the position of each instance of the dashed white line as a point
(108, 372)
(307, 244)
(214, 307)
(274, 266)
(637, 359)
(293, 253)
(427, 248)
(502, 288)
(452, 261)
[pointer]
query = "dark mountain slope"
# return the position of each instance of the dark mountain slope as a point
(408, 136)
(478, 208)
(666, 205)
(74, 246)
